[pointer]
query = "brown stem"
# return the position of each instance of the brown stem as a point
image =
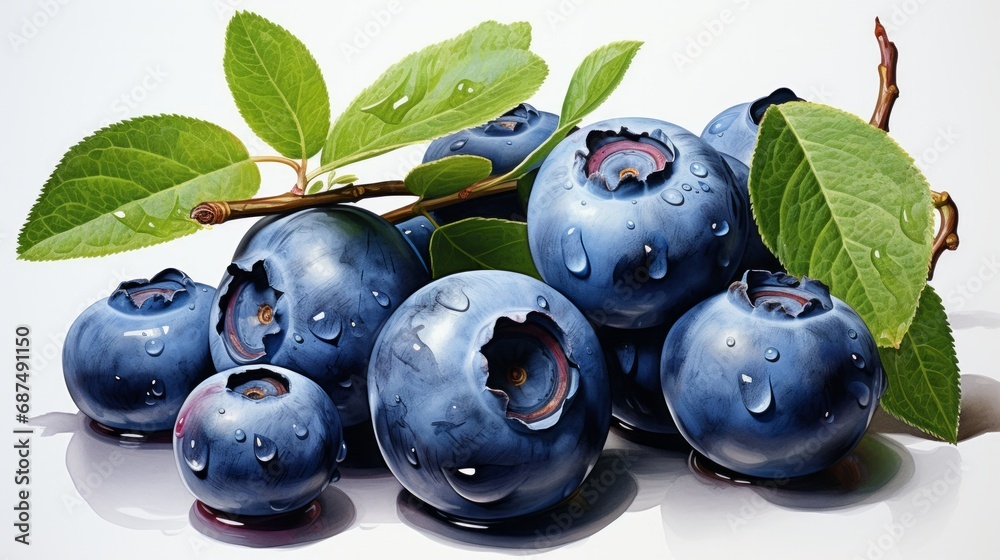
(888, 90)
(947, 234)
(468, 193)
(217, 212)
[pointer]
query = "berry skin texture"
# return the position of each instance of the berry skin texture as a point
(636, 220)
(774, 378)
(633, 360)
(309, 291)
(130, 360)
(257, 440)
(505, 141)
(489, 395)
(734, 131)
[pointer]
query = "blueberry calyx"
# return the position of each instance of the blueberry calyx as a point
(511, 121)
(528, 371)
(624, 159)
(154, 294)
(780, 294)
(258, 384)
(250, 313)
(776, 97)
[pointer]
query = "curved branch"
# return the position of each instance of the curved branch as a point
(888, 90)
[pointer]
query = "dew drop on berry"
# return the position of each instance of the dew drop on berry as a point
(509, 142)
(342, 453)
(301, 431)
(381, 298)
(756, 392)
(222, 411)
(542, 302)
(575, 254)
(858, 361)
(411, 456)
(852, 334)
(452, 297)
(828, 417)
(705, 186)
(458, 145)
(191, 307)
(730, 342)
(771, 354)
(861, 392)
(720, 228)
(672, 196)
(657, 248)
(240, 435)
(298, 338)
(686, 187)
(699, 170)
(326, 326)
(156, 388)
(154, 347)
(398, 399)
(568, 185)
(196, 455)
(335, 476)
(150, 399)
(630, 224)
(264, 448)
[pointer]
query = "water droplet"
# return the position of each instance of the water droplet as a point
(589, 350)
(335, 477)
(657, 248)
(452, 297)
(342, 453)
(568, 185)
(398, 399)
(240, 435)
(222, 411)
(861, 392)
(583, 203)
(858, 361)
(672, 196)
(354, 322)
(699, 170)
(635, 201)
(381, 298)
(771, 354)
(458, 144)
(705, 186)
(263, 448)
(575, 254)
(191, 307)
(828, 417)
(910, 226)
(346, 383)
(196, 455)
(730, 342)
(852, 334)
(301, 431)
(720, 228)
(630, 224)
(411, 456)
(150, 399)
(756, 393)
(154, 347)
(326, 326)
(509, 142)
(542, 302)
(156, 387)
(298, 338)
(686, 187)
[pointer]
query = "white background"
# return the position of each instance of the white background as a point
(70, 67)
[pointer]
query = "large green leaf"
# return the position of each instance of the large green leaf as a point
(924, 389)
(456, 84)
(133, 184)
(277, 85)
(446, 175)
(481, 244)
(838, 200)
(596, 77)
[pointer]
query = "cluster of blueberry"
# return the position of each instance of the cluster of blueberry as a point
(490, 393)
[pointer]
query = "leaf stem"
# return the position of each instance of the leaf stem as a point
(888, 90)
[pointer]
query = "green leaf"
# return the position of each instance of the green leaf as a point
(446, 87)
(277, 85)
(596, 77)
(133, 184)
(315, 188)
(524, 185)
(534, 159)
(481, 244)
(836, 199)
(924, 389)
(447, 175)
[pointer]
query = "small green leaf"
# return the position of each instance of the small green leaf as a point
(481, 244)
(133, 184)
(596, 77)
(315, 187)
(536, 157)
(446, 175)
(836, 199)
(924, 389)
(277, 85)
(446, 87)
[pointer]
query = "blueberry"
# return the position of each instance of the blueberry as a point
(505, 141)
(489, 395)
(633, 361)
(774, 378)
(309, 291)
(257, 440)
(417, 231)
(635, 221)
(130, 360)
(756, 256)
(734, 131)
